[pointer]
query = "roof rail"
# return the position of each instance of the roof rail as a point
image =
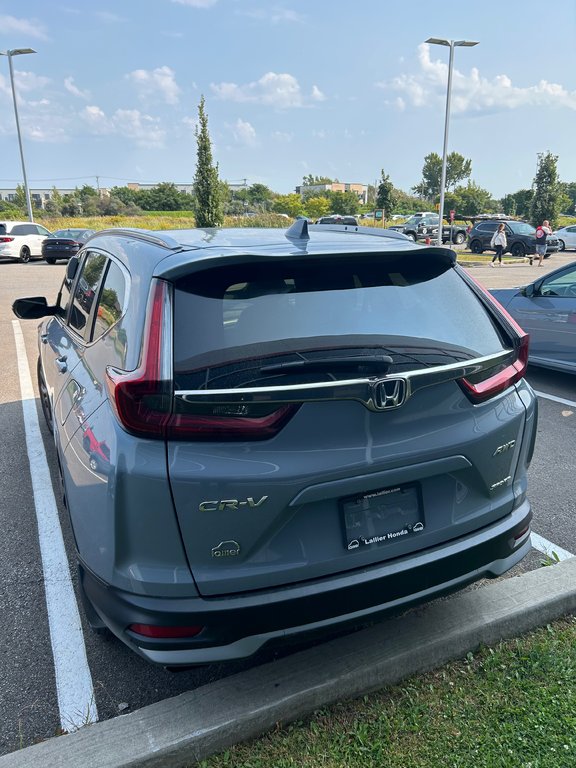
(149, 236)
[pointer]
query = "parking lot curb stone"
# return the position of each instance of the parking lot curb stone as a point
(179, 731)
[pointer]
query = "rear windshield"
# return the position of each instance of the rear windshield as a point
(231, 323)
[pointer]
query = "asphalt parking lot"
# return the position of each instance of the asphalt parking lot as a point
(121, 682)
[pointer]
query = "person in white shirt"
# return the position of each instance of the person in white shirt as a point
(498, 242)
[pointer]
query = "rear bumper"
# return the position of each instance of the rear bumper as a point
(236, 626)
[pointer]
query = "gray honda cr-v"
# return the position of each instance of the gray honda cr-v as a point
(264, 433)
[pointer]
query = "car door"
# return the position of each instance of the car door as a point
(486, 229)
(549, 316)
(37, 239)
(64, 339)
(570, 237)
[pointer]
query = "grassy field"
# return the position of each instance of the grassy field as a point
(158, 220)
(513, 706)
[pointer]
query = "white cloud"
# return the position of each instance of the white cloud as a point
(472, 93)
(244, 133)
(29, 81)
(282, 91)
(74, 90)
(160, 80)
(317, 94)
(197, 3)
(24, 27)
(144, 130)
(282, 137)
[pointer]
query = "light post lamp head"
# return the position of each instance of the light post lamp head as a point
(449, 44)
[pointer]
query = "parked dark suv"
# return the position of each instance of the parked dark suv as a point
(267, 433)
(520, 237)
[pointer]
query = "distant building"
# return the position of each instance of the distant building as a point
(41, 196)
(337, 186)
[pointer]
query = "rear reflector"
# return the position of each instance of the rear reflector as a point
(151, 630)
(6, 239)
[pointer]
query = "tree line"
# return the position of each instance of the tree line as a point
(212, 198)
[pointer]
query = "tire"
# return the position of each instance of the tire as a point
(24, 254)
(518, 251)
(50, 260)
(476, 247)
(562, 245)
(45, 398)
(411, 236)
(459, 238)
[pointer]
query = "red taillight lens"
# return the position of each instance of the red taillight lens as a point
(6, 239)
(151, 630)
(498, 382)
(493, 384)
(143, 399)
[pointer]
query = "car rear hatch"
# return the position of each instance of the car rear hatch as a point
(333, 413)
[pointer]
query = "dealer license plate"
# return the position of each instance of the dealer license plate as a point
(382, 516)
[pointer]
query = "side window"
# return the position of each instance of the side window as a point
(112, 300)
(42, 231)
(563, 284)
(85, 291)
(24, 229)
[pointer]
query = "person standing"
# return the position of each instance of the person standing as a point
(498, 242)
(542, 233)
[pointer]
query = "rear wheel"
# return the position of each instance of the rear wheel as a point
(24, 254)
(518, 251)
(562, 245)
(459, 238)
(476, 246)
(411, 236)
(45, 398)
(50, 260)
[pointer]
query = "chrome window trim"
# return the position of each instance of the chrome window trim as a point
(364, 390)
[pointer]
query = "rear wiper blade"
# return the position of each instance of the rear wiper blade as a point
(380, 363)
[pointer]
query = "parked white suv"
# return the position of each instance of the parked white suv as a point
(21, 240)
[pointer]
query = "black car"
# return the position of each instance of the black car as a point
(64, 243)
(520, 238)
(345, 220)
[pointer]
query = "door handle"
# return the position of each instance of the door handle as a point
(61, 364)
(44, 338)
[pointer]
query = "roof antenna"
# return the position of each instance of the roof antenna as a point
(298, 230)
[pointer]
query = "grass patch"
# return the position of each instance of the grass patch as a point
(513, 706)
(159, 220)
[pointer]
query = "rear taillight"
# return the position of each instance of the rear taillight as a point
(6, 239)
(144, 403)
(493, 384)
(496, 381)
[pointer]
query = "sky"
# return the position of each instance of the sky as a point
(292, 87)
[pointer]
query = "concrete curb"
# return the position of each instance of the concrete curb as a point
(179, 731)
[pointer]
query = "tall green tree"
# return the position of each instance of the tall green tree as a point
(208, 208)
(343, 203)
(458, 168)
(547, 200)
(386, 195)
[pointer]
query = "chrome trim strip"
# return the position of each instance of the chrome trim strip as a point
(364, 390)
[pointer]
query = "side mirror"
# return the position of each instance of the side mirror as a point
(528, 291)
(32, 308)
(72, 267)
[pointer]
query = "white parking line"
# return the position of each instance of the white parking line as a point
(73, 680)
(548, 548)
(555, 399)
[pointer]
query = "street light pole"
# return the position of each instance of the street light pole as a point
(451, 44)
(9, 54)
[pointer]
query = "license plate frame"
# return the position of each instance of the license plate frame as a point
(381, 517)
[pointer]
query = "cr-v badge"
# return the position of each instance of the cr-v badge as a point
(230, 504)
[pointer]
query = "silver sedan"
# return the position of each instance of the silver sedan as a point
(546, 309)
